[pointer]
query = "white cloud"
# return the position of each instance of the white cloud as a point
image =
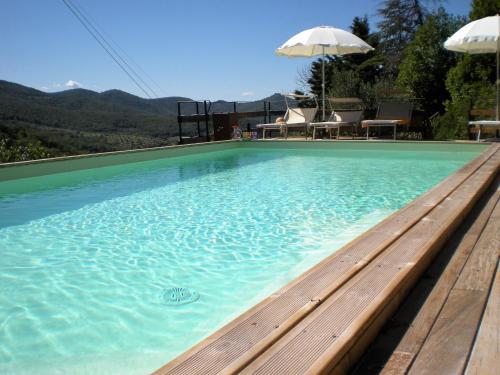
(72, 84)
(247, 93)
(55, 86)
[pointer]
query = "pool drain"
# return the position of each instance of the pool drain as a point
(179, 296)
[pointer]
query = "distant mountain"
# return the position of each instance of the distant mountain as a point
(82, 99)
(79, 120)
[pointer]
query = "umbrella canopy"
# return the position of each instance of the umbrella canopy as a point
(323, 40)
(480, 36)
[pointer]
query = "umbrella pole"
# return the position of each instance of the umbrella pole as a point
(323, 84)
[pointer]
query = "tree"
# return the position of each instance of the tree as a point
(365, 66)
(368, 65)
(314, 75)
(471, 83)
(484, 8)
(400, 19)
(426, 62)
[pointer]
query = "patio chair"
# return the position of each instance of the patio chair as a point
(341, 117)
(295, 117)
(482, 124)
(390, 114)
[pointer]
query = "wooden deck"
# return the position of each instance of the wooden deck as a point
(450, 322)
(323, 321)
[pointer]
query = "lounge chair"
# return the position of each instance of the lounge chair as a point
(295, 117)
(337, 120)
(481, 124)
(390, 114)
(341, 117)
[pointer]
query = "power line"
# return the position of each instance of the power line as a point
(113, 42)
(80, 10)
(106, 49)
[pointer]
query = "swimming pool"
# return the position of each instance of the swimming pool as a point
(90, 257)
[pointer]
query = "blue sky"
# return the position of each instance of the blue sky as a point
(198, 49)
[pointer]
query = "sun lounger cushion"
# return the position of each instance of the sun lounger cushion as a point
(491, 123)
(340, 118)
(330, 124)
(274, 125)
(367, 123)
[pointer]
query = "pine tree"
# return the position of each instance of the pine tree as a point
(314, 80)
(368, 65)
(400, 19)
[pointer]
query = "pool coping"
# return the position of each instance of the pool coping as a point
(239, 343)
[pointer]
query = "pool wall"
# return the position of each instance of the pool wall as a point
(41, 167)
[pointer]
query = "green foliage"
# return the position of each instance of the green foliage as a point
(453, 123)
(10, 152)
(399, 22)
(472, 77)
(423, 71)
(315, 76)
(367, 65)
(471, 83)
(347, 83)
(484, 8)
(339, 70)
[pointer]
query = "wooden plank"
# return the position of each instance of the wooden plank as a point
(398, 363)
(449, 343)
(446, 349)
(481, 266)
(394, 350)
(421, 325)
(485, 357)
(482, 112)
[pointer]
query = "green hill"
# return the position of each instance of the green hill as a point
(83, 121)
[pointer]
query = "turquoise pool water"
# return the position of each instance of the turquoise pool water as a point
(88, 258)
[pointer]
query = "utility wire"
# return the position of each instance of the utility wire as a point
(104, 47)
(94, 26)
(113, 42)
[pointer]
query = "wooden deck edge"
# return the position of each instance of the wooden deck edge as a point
(428, 201)
(400, 290)
(421, 317)
(349, 346)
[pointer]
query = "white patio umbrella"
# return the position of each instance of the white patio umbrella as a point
(323, 40)
(480, 36)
